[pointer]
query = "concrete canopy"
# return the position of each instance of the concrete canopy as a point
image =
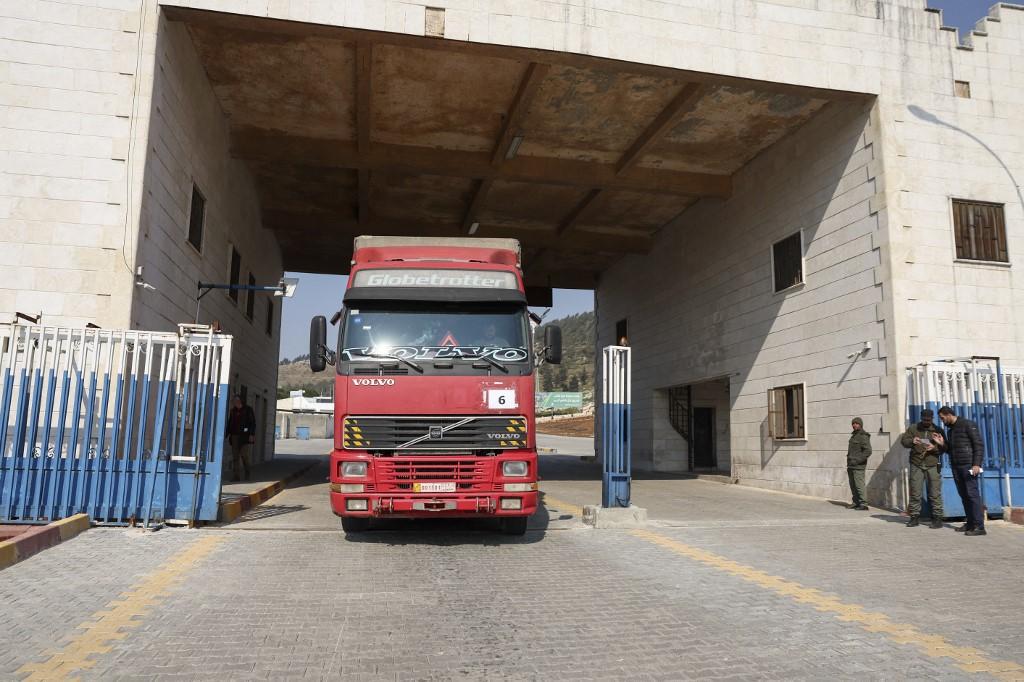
(582, 159)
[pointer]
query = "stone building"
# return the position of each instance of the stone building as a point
(780, 203)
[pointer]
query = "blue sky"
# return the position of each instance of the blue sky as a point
(962, 13)
(321, 295)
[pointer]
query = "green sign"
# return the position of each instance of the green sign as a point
(559, 401)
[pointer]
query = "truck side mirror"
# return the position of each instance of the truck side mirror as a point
(553, 345)
(318, 343)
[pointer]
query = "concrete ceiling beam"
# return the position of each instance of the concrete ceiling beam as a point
(294, 227)
(260, 145)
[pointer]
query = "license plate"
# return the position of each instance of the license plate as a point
(433, 487)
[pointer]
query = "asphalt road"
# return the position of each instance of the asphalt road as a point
(567, 445)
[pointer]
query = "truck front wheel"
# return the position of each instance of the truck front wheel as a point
(514, 525)
(355, 524)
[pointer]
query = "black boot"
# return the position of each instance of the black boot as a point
(963, 529)
(936, 523)
(914, 521)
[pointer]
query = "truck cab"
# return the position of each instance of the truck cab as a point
(434, 387)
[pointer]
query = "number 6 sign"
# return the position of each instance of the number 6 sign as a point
(501, 399)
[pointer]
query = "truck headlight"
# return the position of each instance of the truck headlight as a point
(514, 468)
(353, 469)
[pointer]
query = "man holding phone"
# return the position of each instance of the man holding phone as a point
(925, 442)
(966, 451)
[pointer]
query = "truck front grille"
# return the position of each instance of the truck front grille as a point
(432, 434)
(399, 474)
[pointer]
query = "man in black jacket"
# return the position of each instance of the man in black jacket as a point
(966, 451)
(241, 430)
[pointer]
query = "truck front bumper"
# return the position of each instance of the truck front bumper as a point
(420, 506)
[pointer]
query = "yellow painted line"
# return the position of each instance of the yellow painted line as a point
(966, 658)
(121, 615)
(561, 505)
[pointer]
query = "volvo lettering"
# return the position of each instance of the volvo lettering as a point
(442, 326)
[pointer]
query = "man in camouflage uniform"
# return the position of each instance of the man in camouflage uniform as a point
(857, 454)
(926, 442)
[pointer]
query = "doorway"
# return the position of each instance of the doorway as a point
(704, 438)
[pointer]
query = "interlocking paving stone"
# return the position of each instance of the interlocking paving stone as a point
(439, 601)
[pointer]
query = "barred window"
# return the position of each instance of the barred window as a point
(786, 412)
(980, 231)
(788, 262)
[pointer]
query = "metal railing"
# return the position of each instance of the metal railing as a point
(123, 425)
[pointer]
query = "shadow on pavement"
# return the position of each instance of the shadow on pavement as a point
(265, 511)
(450, 532)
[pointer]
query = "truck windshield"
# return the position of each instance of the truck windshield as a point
(496, 332)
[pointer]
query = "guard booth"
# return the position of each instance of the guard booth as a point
(983, 390)
(125, 426)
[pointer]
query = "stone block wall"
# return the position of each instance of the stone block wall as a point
(188, 144)
(718, 316)
(67, 95)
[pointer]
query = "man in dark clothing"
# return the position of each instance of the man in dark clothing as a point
(241, 432)
(966, 451)
(857, 454)
(925, 442)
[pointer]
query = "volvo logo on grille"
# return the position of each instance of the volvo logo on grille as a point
(373, 382)
(436, 433)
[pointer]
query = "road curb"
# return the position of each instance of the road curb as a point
(1014, 515)
(232, 509)
(38, 538)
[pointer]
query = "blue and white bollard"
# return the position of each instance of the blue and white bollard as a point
(615, 426)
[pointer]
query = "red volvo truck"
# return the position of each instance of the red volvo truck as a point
(434, 387)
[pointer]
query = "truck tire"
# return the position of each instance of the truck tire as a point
(514, 525)
(355, 524)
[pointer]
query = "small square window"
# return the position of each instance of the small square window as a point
(250, 300)
(962, 89)
(196, 219)
(235, 272)
(788, 262)
(786, 408)
(270, 317)
(980, 231)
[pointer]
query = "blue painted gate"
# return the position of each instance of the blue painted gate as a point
(615, 427)
(983, 390)
(126, 426)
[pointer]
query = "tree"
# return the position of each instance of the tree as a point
(573, 384)
(561, 377)
(282, 393)
(310, 392)
(547, 380)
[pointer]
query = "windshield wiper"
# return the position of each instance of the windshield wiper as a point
(488, 359)
(387, 356)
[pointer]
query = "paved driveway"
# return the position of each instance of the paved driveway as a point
(727, 583)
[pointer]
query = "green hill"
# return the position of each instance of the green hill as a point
(576, 373)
